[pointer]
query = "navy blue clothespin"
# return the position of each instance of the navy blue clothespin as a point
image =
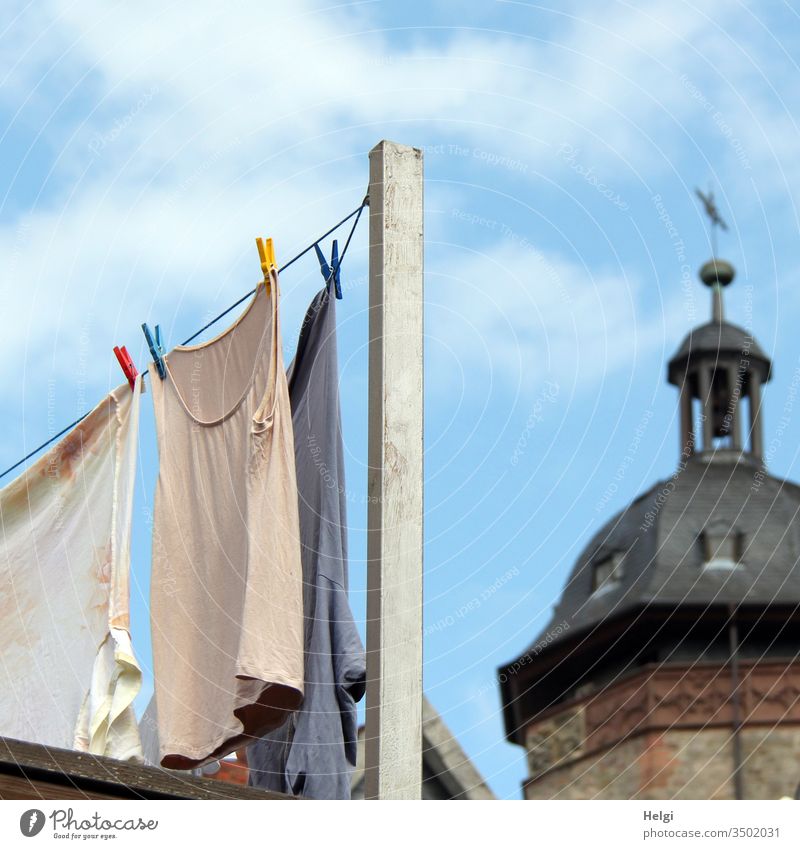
(332, 270)
(156, 349)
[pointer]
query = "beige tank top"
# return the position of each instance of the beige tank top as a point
(226, 593)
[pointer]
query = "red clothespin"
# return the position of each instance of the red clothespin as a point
(126, 364)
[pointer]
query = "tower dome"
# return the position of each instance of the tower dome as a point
(694, 581)
(718, 367)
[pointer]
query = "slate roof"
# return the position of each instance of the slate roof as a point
(661, 533)
(447, 771)
(717, 336)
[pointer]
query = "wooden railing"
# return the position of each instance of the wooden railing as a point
(33, 771)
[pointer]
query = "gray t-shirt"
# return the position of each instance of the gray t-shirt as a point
(313, 753)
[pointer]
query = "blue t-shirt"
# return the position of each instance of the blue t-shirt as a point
(314, 752)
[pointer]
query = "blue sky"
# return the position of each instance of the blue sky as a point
(143, 148)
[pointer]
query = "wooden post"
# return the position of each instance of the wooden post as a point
(687, 425)
(393, 758)
(735, 385)
(704, 375)
(756, 441)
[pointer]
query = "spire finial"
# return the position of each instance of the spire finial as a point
(716, 273)
(713, 216)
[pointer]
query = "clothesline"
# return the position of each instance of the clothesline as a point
(356, 212)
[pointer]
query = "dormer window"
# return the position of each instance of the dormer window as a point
(722, 547)
(607, 571)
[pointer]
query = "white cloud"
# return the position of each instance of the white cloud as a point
(521, 311)
(219, 122)
(179, 136)
(290, 78)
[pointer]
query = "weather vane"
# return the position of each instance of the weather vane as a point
(713, 216)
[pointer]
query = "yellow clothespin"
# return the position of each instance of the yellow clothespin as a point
(266, 253)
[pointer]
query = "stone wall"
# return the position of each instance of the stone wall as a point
(679, 764)
(665, 733)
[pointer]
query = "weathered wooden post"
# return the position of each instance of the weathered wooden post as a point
(393, 761)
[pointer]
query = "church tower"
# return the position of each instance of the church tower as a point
(718, 368)
(669, 668)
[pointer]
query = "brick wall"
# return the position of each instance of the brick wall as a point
(666, 734)
(679, 764)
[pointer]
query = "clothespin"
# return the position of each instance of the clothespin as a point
(156, 349)
(266, 253)
(331, 271)
(126, 364)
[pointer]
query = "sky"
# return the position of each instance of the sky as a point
(142, 149)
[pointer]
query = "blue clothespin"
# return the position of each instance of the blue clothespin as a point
(333, 270)
(156, 349)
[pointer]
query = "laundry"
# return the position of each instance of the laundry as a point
(237, 642)
(226, 588)
(69, 675)
(314, 752)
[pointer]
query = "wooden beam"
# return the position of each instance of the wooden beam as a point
(735, 388)
(704, 375)
(687, 424)
(33, 771)
(395, 479)
(756, 439)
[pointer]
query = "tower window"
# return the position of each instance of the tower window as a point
(722, 549)
(607, 571)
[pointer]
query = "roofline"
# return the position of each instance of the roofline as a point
(510, 701)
